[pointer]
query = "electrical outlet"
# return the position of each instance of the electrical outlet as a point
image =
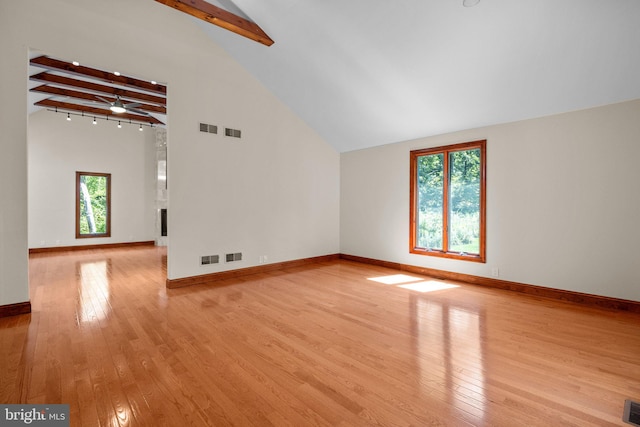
(495, 271)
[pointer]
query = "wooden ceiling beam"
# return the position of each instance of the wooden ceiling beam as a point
(124, 93)
(220, 17)
(54, 90)
(105, 76)
(93, 111)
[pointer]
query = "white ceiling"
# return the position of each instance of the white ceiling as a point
(369, 72)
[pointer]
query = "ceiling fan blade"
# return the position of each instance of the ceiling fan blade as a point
(94, 103)
(105, 100)
(133, 110)
(132, 105)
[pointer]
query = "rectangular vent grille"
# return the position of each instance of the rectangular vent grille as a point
(204, 127)
(209, 259)
(234, 257)
(631, 413)
(234, 133)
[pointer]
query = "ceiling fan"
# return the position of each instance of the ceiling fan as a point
(120, 107)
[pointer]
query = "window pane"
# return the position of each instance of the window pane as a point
(92, 201)
(464, 201)
(430, 176)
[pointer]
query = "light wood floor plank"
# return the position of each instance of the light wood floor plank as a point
(331, 344)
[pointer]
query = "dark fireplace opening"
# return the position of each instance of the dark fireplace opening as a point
(163, 222)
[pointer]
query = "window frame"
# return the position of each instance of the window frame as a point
(107, 232)
(413, 208)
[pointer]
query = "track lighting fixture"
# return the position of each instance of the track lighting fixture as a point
(96, 118)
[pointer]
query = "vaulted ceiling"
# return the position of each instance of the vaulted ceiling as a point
(364, 73)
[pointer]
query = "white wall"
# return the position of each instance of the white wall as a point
(274, 192)
(562, 201)
(57, 148)
(13, 162)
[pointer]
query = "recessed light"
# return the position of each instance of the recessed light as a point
(153, 82)
(76, 63)
(116, 73)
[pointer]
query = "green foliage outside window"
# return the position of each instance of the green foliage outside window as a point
(430, 200)
(464, 169)
(93, 204)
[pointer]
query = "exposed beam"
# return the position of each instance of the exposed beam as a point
(124, 93)
(92, 111)
(105, 76)
(54, 90)
(220, 17)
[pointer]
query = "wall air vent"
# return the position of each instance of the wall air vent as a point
(631, 413)
(234, 257)
(234, 133)
(204, 127)
(209, 259)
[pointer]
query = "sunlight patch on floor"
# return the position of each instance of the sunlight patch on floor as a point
(395, 279)
(413, 283)
(428, 286)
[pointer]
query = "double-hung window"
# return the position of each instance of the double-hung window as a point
(448, 194)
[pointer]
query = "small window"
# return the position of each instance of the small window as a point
(447, 212)
(93, 204)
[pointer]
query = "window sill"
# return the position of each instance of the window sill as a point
(451, 255)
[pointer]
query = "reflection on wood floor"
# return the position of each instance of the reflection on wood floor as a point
(334, 344)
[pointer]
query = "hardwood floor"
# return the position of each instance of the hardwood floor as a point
(321, 345)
